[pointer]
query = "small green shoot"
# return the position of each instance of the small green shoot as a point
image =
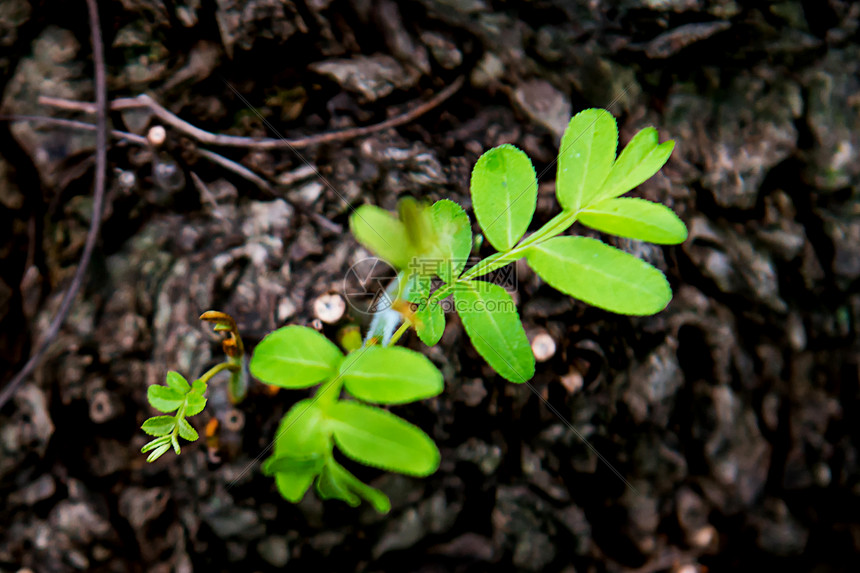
(300, 357)
(189, 399)
(426, 242)
(179, 396)
(589, 181)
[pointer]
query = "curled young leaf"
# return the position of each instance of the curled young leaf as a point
(158, 452)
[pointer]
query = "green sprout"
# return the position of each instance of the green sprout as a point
(188, 399)
(589, 182)
(428, 242)
(299, 357)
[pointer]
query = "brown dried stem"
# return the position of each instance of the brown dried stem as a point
(101, 110)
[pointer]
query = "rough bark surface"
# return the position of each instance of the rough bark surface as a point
(732, 414)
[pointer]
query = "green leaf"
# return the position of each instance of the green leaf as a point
(391, 375)
(187, 431)
(418, 222)
(635, 219)
(175, 441)
(378, 438)
(164, 399)
(600, 275)
(330, 487)
(194, 404)
(302, 432)
(430, 322)
(156, 443)
(302, 435)
(310, 462)
(490, 318)
(157, 453)
(293, 484)
(504, 195)
(198, 387)
(383, 234)
(642, 158)
(176, 381)
(295, 357)
(159, 425)
(454, 238)
(336, 475)
(585, 157)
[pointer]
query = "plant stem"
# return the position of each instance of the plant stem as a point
(231, 366)
(400, 331)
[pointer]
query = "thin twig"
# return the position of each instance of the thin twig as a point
(98, 200)
(145, 101)
(207, 196)
(236, 168)
(74, 124)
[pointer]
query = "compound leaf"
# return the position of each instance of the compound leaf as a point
(295, 357)
(635, 218)
(176, 381)
(187, 431)
(164, 399)
(378, 438)
(504, 195)
(454, 236)
(600, 275)
(392, 375)
(490, 318)
(642, 158)
(159, 425)
(585, 157)
(382, 233)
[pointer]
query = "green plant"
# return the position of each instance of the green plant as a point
(428, 245)
(589, 183)
(188, 399)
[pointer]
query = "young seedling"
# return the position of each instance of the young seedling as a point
(589, 182)
(188, 399)
(429, 245)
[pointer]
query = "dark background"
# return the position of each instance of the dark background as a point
(732, 414)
